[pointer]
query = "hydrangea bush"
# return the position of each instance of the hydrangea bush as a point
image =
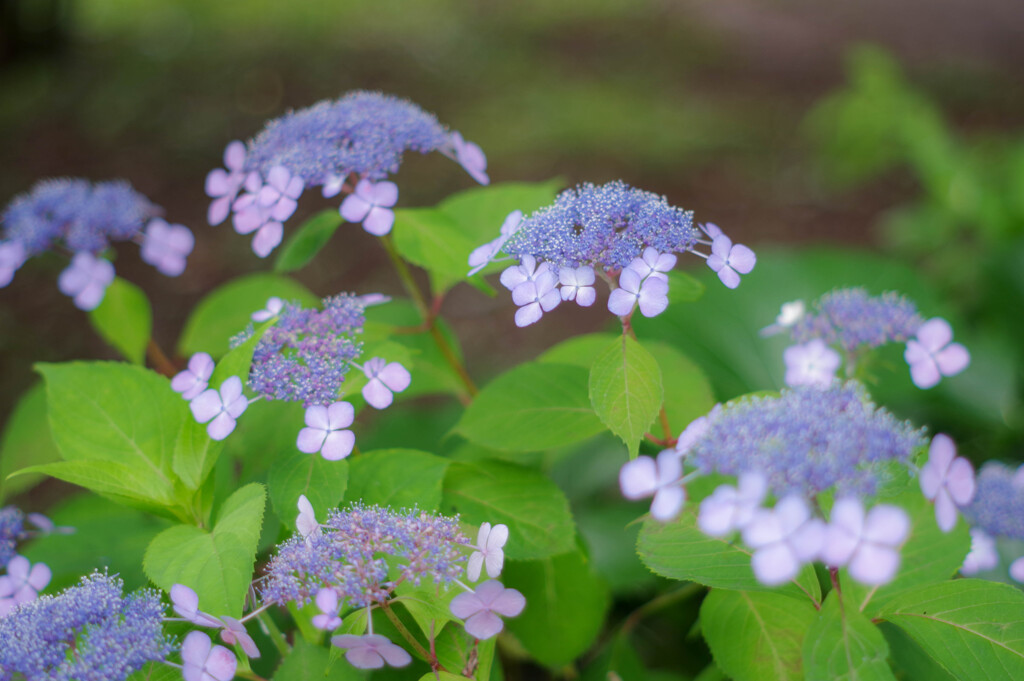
(823, 535)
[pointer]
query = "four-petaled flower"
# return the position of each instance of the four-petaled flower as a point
(578, 285)
(471, 157)
(783, 539)
(488, 553)
(223, 185)
(515, 276)
(371, 204)
(22, 583)
(383, 380)
(220, 408)
(324, 431)
(371, 651)
(166, 247)
(947, 480)
(643, 477)
(306, 522)
(86, 280)
(536, 297)
(195, 379)
(650, 293)
(1017, 570)
(731, 508)
(931, 355)
(204, 661)
(327, 601)
(813, 363)
(480, 609)
(730, 261)
(279, 195)
(653, 263)
(867, 544)
(274, 305)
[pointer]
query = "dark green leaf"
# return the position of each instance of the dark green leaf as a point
(322, 481)
(845, 646)
(399, 478)
(306, 242)
(124, 319)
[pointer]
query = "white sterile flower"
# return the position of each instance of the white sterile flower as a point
(868, 545)
(306, 522)
(653, 264)
(324, 431)
(489, 553)
(383, 381)
(732, 508)
(983, 555)
(536, 297)
(274, 305)
(578, 285)
(783, 539)
(645, 477)
(813, 363)
(947, 480)
(651, 294)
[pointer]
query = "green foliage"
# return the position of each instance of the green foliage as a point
(124, 319)
(308, 240)
(400, 478)
(217, 564)
(843, 644)
(625, 390)
(26, 441)
(322, 481)
(306, 662)
(756, 636)
(535, 510)
(195, 454)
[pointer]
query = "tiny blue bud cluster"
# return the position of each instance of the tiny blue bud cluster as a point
(12, 528)
(353, 552)
(998, 506)
(853, 319)
(89, 632)
(305, 355)
(806, 441)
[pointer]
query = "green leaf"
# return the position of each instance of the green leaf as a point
(322, 481)
(688, 393)
(909, 660)
(228, 309)
(535, 510)
(684, 288)
(124, 319)
(266, 432)
(973, 628)
(156, 671)
(566, 604)
(756, 636)
(123, 484)
(845, 646)
(26, 440)
(452, 644)
(217, 565)
(117, 413)
(429, 238)
(680, 550)
(625, 390)
(195, 454)
(532, 407)
(399, 478)
(303, 245)
(307, 662)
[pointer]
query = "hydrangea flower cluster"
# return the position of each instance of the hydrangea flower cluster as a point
(303, 355)
(854, 322)
(996, 516)
(349, 145)
(797, 447)
(611, 230)
(89, 632)
(361, 555)
(83, 218)
(20, 580)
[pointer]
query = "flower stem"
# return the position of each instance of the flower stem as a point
(159, 359)
(407, 635)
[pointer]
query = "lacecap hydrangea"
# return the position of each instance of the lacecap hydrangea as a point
(345, 146)
(608, 231)
(83, 217)
(803, 448)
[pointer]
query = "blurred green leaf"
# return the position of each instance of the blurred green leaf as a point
(431, 239)
(845, 645)
(307, 241)
(26, 441)
(195, 454)
(626, 390)
(124, 319)
(399, 478)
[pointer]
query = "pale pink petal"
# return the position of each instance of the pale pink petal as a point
(484, 625)
(39, 577)
(311, 440)
(935, 334)
(221, 426)
(234, 156)
(465, 604)
(196, 648)
(925, 373)
(395, 376)
(474, 566)
(394, 655)
(945, 511)
(728, 276)
(267, 238)
(774, 564)
(206, 406)
(960, 481)
(874, 565)
(218, 183)
(529, 314)
(383, 194)
(886, 524)
(379, 221)
(317, 417)
(952, 359)
(221, 664)
(377, 394)
(742, 259)
(340, 415)
(338, 445)
(668, 502)
(283, 209)
(1017, 570)
(355, 208)
(497, 536)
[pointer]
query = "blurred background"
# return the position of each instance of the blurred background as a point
(869, 143)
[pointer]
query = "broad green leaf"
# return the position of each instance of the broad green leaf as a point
(429, 238)
(442, 676)
(322, 481)
(156, 671)
(678, 549)
(533, 406)
(266, 432)
(535, 510)
(845, 646)
(195, 453)
(619, 660)
(625, 390)
(566, 604)
(452, 643)
(756, 636)
(426, 603)
(399, 478)
(227, 311)
(684, 288)
(909, 660)
(118, 482)
(610, 533)
(26, 441)
(303, 245)
(307, 662)
(579, 351)
(930, 555)
(124, 319)
(218, 564)
(973, 628)
(687, 391)
(118, 413)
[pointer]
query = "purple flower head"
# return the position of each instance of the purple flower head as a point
(471, 157)
(947, 480)
(12, 257)
(221, 408)
(868, 544)
(22, 583)
(729, 261)
(165, 246)
(932, 354)
(223, 185)
(384, 379)
(195, 379)
(274, 306)
(327, 601)
(12, 530)
(998, 504)
(812, 363)
(89, 632)
(488, 552)
(483, 608)
(204, 661)
(371, 651)
(983, 554)
(805, 441)
(784, 539)
(578, 284)
(730, 508)
(852, 319)
(324, 431)
(86, 280)
(651, 294)
(646, 477)
(305, 355)
(371, 204)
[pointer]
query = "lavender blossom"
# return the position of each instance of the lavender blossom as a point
(853, 320)
(998, 504)
(480, 608)
(12, 530)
